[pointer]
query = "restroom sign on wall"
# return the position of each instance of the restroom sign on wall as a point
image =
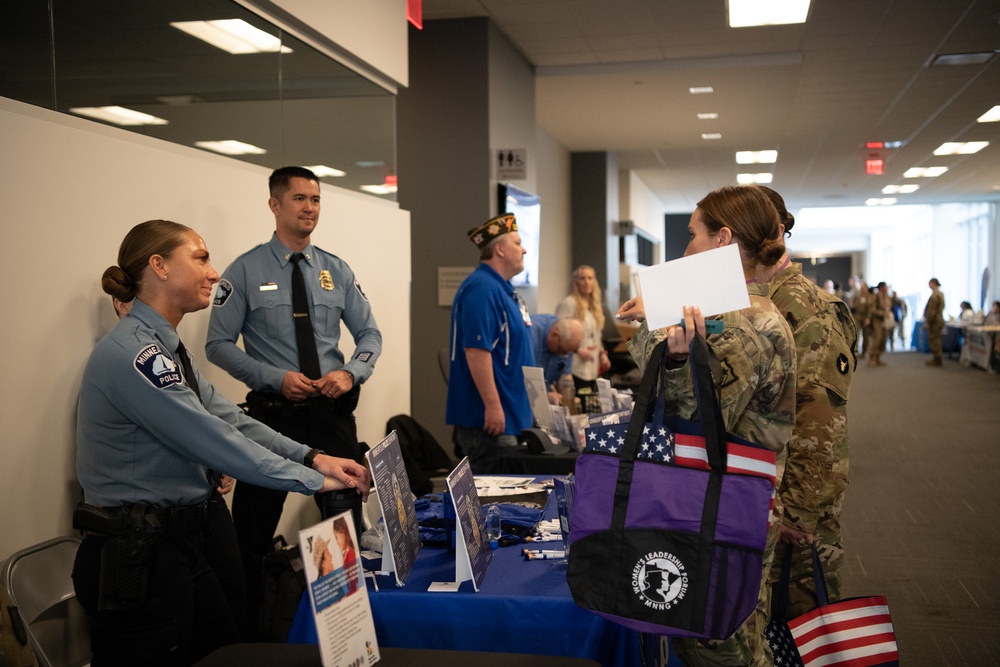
(511, 164)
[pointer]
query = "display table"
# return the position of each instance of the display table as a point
(522, 607)
(980, 347)
(951, 338)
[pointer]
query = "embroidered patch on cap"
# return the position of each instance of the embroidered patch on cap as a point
(357, 286)
(222, 292)
(363, 356)
(157, 368)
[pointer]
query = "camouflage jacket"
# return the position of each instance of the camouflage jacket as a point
(934, 310)
(825, 339)
(757, 387)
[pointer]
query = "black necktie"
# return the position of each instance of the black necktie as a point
(191, 381)
(305, 338)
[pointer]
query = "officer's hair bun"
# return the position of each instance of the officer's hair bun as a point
(117, 283)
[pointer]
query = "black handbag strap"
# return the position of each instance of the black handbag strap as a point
(819, 579)
(779, 601)
(709, 411)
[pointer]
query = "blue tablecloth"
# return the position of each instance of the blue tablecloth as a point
(522, 607)
(951, 338)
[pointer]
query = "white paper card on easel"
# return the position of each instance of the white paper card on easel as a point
(712, 280)
(472, 548)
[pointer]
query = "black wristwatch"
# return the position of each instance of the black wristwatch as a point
(310, 456)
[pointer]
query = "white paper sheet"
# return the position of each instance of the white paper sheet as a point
(712, 280)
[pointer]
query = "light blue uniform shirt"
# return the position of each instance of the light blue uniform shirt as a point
(143, 435)
(553, 365)
(254, 298)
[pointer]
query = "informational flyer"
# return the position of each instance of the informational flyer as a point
(472, 548)
(712, 280)
(401, 537)
(339, 597)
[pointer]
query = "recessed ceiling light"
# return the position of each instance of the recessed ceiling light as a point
(234, 36)
(960, 148)
(230, 147)
(379, 189)
(707, 116)
(711, 135)
(924, 172)
(977, 58)
(324, 171)
(747, 179)
(899, 189)
(746, 13)
(884, 201)
(991, 116)
(756, 157)
(118, 115)
(701, 90)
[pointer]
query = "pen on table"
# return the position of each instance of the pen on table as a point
(543, 554)
(543, 538)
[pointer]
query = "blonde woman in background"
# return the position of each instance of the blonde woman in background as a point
(584, 304)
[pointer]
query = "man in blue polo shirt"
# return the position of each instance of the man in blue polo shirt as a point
(555, 340)
(490, 342)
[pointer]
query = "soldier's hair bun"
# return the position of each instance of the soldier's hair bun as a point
(117, 283)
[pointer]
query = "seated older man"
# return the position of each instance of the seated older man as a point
(555, 340)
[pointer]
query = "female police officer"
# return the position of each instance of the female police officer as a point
(152, 437)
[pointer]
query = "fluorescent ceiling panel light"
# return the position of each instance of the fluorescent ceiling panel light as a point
(924, 172)
(962, 58)
(701, 90)
(379, 189)
(884, 201)
(368, 164)
(747, 179)
(324, 171)
(747, 13)
(711, 135)
(899, 189)
(230, 147)
(756, 157)
(960, 148)
(707, 116)
(118, 115)
(234, 36)
(991, 116)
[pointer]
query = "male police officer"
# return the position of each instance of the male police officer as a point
(287, 298)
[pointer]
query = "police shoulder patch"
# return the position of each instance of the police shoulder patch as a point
(157, 368)
(357, 286)
(222, 292)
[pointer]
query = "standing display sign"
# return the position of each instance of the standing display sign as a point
(401, 537)
(472, 548)
(338, 594)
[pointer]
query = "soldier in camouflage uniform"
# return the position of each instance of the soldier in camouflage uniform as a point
(812, 488)
(757, 386)
(881, 313)
(862, 313)
(934, 321)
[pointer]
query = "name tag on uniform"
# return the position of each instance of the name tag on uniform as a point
(268, 287)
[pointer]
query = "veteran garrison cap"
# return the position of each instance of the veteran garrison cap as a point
(491, 229)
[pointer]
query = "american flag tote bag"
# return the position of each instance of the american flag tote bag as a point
(856, 632)
(670, 516)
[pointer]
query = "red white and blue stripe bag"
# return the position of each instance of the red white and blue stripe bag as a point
(670, 516)
(856, 632)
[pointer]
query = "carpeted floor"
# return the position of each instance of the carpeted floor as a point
(922, 514)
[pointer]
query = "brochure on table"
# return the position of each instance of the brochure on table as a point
(550, 418)
(472, 548)
(339, 597)
(401, 537)
(712, 280)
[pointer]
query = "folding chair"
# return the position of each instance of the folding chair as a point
(39, 582)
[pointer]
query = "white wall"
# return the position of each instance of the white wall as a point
(72, 189)
(555, 266)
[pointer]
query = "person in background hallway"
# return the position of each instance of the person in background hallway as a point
(757, 390)
(899, 311)
(585, 304)
(861, 306)
(968, 314)
(880, 323)
(490, 343)
(300, 383)
(152, 437)
(934, 321)
(993, 317)
(829, 287)
(816, 471)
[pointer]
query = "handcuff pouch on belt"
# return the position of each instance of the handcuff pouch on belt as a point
(130, 535)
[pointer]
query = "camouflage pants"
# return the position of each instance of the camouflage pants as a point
(747, 646)
(934, 338)
(830, 545)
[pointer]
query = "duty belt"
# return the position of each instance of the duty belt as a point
(141, 518)
(263, 404)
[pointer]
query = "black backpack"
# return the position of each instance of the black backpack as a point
(284, 583)
(422, 455)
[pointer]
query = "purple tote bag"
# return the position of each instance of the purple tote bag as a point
(659, 545)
